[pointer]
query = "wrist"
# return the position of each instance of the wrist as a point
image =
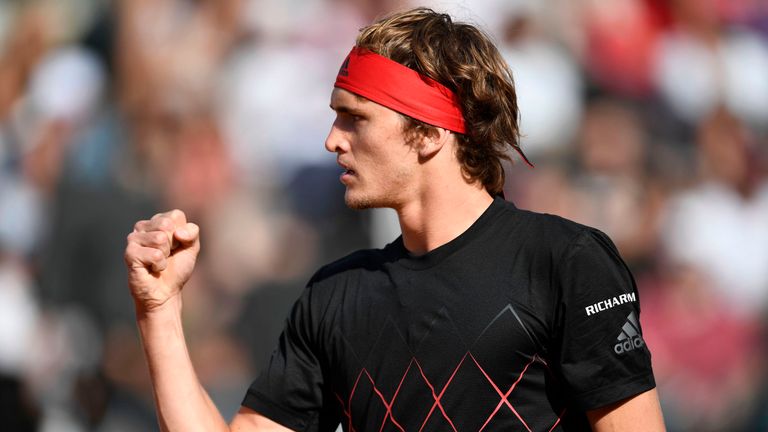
(171, 307)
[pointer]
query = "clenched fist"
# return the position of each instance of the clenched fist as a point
(160, 256)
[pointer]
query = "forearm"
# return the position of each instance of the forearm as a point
(182, 403)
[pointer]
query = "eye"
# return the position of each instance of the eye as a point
(353, 117)
(347, 120)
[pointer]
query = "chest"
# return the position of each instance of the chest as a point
(425, 347)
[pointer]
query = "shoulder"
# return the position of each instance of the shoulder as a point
(329, 286)
(554, 235)
(356, 263)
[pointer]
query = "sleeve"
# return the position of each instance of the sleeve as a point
(290, 389)
(600, 349)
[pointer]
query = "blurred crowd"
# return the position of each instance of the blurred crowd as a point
(647, 119)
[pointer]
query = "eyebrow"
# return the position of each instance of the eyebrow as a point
(347, 110)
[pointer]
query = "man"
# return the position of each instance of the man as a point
(479, 317)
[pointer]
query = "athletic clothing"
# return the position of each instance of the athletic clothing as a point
(521, 323)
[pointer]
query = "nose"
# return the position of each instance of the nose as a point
(335, 142)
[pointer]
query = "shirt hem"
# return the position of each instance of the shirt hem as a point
(615, 392)
(274, 412)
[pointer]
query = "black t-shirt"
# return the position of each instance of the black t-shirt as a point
(521, 323)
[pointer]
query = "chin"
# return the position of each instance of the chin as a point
(364, 202)
(361, 203)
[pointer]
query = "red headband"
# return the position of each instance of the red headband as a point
(400, 88)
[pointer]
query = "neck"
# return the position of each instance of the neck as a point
(441, 214)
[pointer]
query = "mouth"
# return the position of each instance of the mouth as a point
(347, 175)
(346, 168)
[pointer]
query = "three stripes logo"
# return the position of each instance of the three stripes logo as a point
(630, 337)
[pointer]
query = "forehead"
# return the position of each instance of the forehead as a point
(348, 102)
(341, 98)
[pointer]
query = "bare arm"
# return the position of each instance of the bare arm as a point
(641, 413)
(160, 257)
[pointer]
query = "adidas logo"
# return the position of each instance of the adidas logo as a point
(344, 69)
(630, 337)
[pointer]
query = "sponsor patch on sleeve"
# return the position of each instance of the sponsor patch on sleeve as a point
(610, 303)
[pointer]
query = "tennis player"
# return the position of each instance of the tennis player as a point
(480, 316)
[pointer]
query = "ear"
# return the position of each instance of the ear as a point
(433, 141)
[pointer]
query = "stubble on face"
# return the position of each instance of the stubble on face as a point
(384, 171)
(361, 203)
(392, 189)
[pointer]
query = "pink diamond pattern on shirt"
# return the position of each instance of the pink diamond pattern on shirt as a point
(503, 401)
(433, 396)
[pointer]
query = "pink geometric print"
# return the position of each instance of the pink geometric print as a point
(468, 360)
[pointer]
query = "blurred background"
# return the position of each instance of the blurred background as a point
(647, 119)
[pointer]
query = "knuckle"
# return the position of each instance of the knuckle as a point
(165, 224)
(159, 238)
(177, 214)
(133, 238)
(157, 255)
(130, 252)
